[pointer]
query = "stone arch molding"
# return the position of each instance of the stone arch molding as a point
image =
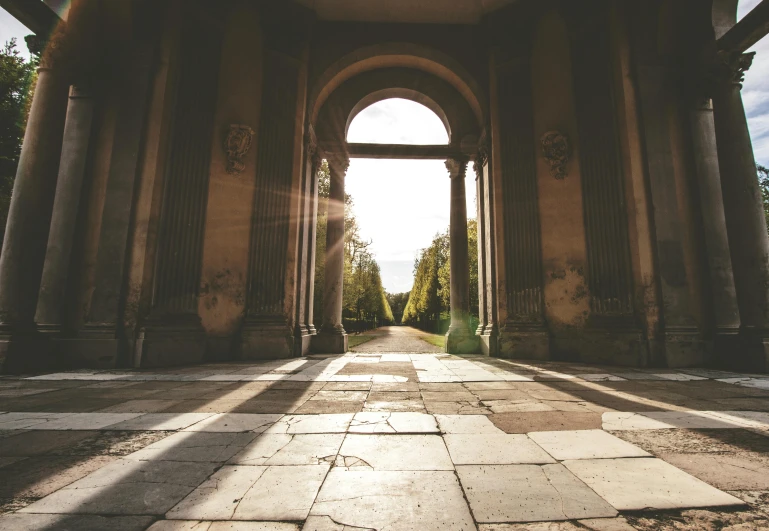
(398, 55)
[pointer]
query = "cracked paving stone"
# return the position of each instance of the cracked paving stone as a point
(393, 500)
(254, 493)
(322, 423)
(398, 452)
(288, 449)
(395, 422)
(529, 493)
(466, 424)
(236, 422)
(127, 487)
(724, 471)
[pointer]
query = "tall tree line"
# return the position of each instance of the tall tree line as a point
(17, 80)
(365, 303)
(429, 301)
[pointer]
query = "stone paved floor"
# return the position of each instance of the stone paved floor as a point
(385, 441)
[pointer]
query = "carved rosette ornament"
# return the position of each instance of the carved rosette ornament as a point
(555, 151)
(237, 144)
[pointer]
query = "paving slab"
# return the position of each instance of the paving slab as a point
(254, 493)
(546, 421)
(585, 444)
(724, 471)
(161, 421)
(494, 449)
(20, 421)
(529, 493)
(236, 422)
(392, 500)
(393, 422)
(636, 484)
(198, 447)
(290, 449)
(475, 424)
(395, 452)
(127, 487)
(64, 522)
(322, 423)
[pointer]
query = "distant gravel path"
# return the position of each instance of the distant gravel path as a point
(396, 339)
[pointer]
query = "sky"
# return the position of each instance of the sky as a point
(401, 204)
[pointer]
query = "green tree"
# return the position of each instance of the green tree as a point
(429, 301)
(365, 303)
(397, 302)
(763, 183)
(17, 77)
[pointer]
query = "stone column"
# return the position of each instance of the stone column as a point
(743, 206)
(725, 309)
(332, 338)
(312, 231)
(77, 134)
(29, 218)
(459, 339)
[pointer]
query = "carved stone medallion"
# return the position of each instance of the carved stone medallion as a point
(237, 144)
(555, 151)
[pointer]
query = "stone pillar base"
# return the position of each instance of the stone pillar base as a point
(488, 340)
(180, 340)
(266, 339)
(461, 340)
(605, 341)
(725, 343)
(329, 343)
(684, 347)
(302, 341)
(523, 341)
(754, 354)
(32, 353)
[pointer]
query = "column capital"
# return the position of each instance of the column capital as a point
(456, 167)
(311, 145)
(338, 163)
(481, 157)
(730, 67)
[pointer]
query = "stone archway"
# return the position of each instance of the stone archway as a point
(351, 85)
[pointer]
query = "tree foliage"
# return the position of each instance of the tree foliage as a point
(17, 77)
(398, 304)
(763, 183)
(430, 298)
(365, 303)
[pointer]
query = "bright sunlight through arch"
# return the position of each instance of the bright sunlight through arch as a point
(397, 121)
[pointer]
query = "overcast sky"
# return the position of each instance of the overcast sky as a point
(401, 205)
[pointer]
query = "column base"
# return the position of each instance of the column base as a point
(488, 340)
(302, 341)
(95, 347)
(523, 341)
(461, 340)
(170, 341)
(266, 338)
(31, 352)
(330, 342)
(684, 347)
(725, 343)
(754, 352)
(606, 340)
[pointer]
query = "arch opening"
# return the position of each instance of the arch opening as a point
(383, 119)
